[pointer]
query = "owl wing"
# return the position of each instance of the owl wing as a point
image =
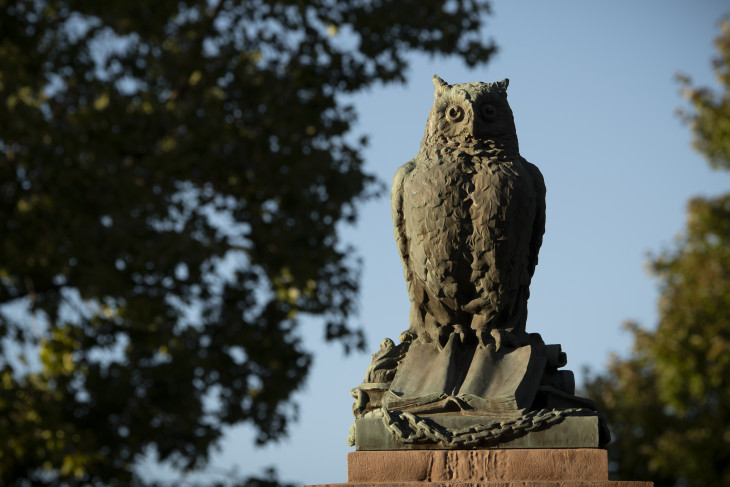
(399, 222)
(538, 226)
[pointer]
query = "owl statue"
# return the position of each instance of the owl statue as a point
(469, 216)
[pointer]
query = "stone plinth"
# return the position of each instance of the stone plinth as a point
(574, 467)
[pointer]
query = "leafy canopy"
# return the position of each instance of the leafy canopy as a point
(172, 177)
(669, 402)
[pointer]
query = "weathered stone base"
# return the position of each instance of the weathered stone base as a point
(481, 468)
(509, 483)
(476, 465)
(572, 432)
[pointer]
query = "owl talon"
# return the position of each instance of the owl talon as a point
(459, 332)
(443, 338)
(486, 340)
(408, 336)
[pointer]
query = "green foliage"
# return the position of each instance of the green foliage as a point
(710, 117)
(669, 403)
(172, 176)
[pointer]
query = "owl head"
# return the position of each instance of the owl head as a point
(472, 117)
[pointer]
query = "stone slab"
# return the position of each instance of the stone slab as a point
(508, 483)
(477, 466)
(580, 467)
(572, 432)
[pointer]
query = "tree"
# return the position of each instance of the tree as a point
(172, 177)
(668, 404)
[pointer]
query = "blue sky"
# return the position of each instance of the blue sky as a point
(593, 93)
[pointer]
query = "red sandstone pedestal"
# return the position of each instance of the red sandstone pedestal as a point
(575, 467)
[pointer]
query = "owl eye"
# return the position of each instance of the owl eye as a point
(454, 113)
(488, 110)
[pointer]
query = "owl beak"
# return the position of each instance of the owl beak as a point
(473, 123)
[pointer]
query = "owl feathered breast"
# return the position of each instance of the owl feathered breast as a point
(469, 215)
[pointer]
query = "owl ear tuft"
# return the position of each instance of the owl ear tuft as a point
(438, 83)
(503, 84)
